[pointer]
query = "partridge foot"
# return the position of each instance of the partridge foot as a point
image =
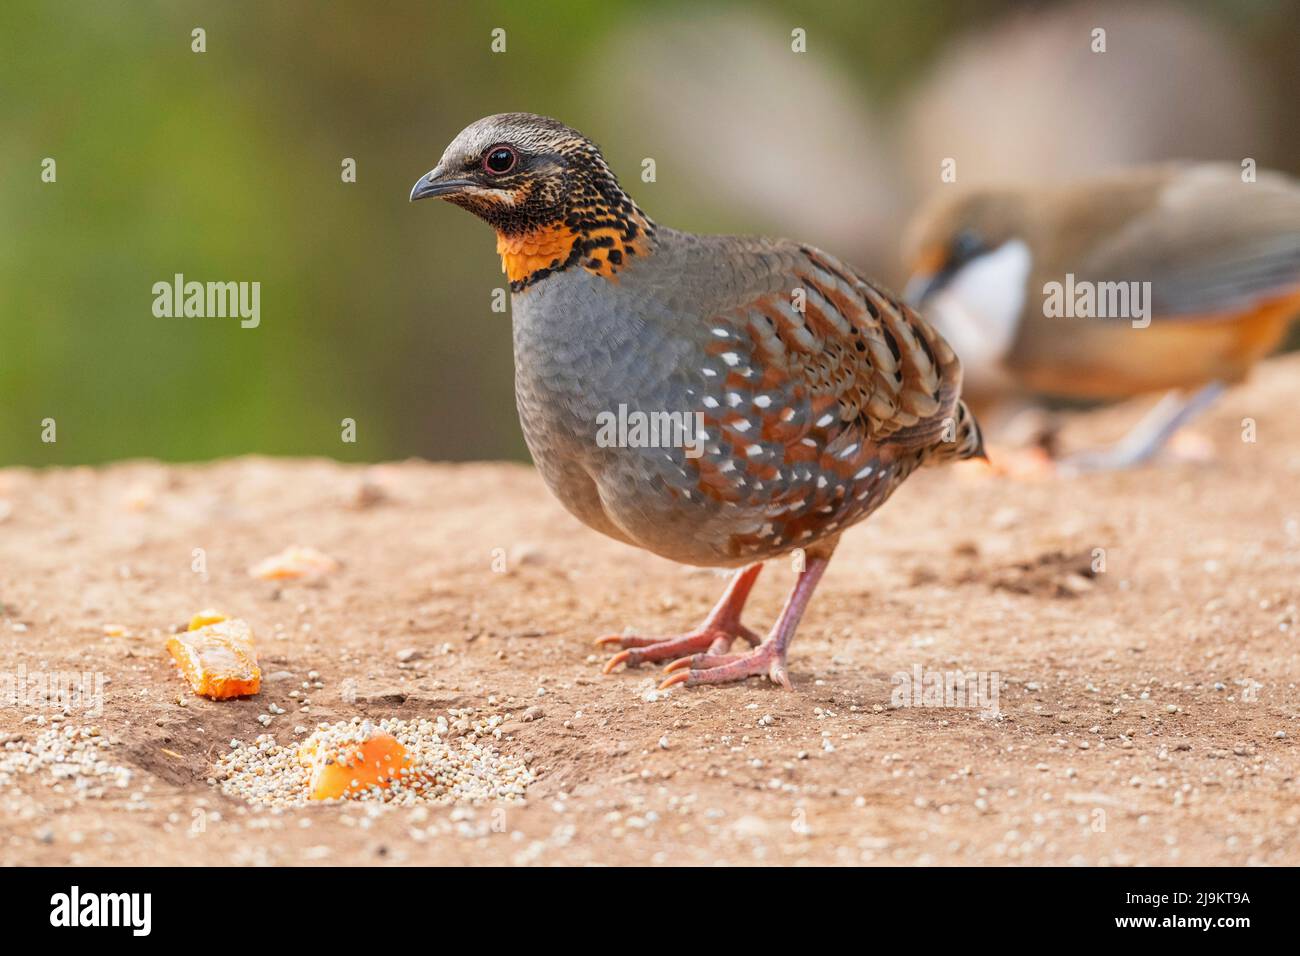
(716, 635)
(639, 649)
(767, 658)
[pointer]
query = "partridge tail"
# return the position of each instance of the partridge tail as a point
(961, 439)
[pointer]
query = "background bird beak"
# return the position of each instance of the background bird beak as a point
(931, 270)
(920, 286)
(435, 184)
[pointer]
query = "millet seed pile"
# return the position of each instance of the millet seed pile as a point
(270, 774)
(70, 759)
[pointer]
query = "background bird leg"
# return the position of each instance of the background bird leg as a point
(1149, 435)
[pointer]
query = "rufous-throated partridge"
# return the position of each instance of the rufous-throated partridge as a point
(803, 393)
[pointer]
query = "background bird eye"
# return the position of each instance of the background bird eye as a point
(499, 159)
(966, 245)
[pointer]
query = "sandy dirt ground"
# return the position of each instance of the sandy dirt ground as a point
(1147, 711)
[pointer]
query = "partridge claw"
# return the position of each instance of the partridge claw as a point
(613, 662)
(681, 677)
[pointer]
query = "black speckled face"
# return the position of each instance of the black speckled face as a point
(548, 193)
(518, 172)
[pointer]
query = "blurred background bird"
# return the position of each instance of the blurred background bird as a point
(1202, 261)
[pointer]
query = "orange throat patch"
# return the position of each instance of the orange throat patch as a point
(545, 248)
(604, 250)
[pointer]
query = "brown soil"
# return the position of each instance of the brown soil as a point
(1148, 712)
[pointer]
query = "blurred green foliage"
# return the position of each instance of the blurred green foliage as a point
(226, 166)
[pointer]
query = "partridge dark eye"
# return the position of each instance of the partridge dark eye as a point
(500, 160)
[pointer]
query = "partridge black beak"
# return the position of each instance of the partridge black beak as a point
(433, 185)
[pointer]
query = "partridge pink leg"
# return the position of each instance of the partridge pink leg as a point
(769, 657)
(715, 635)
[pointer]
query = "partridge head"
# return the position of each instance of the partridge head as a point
(545, 189)
(716, 400)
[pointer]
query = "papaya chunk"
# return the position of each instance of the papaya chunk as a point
(205, 617)
(343, 764)
(292, 563)
(218, 659)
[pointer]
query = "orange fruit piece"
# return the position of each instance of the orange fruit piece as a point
(205, 617)
(218, 659)
(343, 767)
(294, 561)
